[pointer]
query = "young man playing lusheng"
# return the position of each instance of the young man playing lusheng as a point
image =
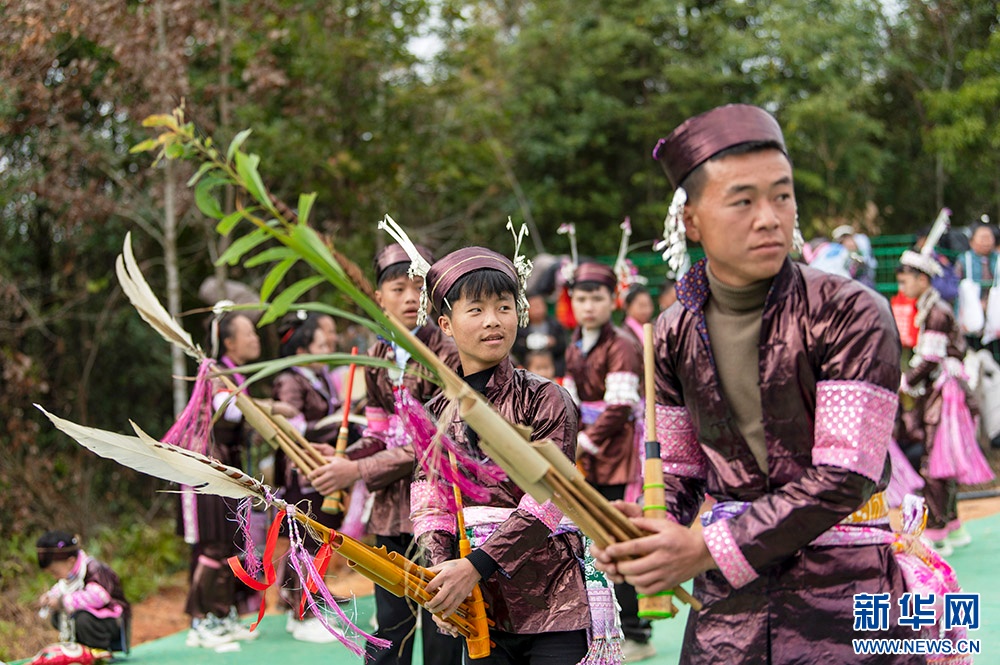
(385, 460)
(528, 563)
(775, 394)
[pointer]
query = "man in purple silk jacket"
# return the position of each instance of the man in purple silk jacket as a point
(775, 395)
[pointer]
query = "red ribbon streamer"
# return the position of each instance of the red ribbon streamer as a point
(321, 562)
(269, 574)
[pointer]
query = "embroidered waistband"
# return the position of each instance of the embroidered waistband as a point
(875, 512)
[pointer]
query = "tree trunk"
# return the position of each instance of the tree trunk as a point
(229, 203)
(177, 365)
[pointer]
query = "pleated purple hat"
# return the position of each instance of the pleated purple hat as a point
(596, 272)
(392, 254)
(698, 139)
(446, 272)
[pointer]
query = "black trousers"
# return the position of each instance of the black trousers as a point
(633, 628)
(397, 622)
(94, 632)
(557, 648)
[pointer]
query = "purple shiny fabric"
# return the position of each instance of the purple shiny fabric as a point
(392, 254)
(539, 586)
(815, 328)
(446, 272)
(697, 139)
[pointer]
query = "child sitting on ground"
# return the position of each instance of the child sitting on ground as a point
(87, 603)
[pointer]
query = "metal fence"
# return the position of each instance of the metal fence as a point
(885, 249)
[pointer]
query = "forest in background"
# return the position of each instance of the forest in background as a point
(448, 115)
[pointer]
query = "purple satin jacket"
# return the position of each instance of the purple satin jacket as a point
(539, 585)
(829, 373)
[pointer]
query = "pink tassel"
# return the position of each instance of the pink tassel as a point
(633, 489)
(193, 429)
(305, 570)
(354, 524)
(251, 563)
(905, 480)
(956, 452)
(434, 459)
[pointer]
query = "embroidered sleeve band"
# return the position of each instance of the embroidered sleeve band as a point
(584, 442)
(732, 564)
(546, 512)
(853, 424)
(378, 419)
(932, 345)
(621, 388)
(428, 510)
(679, 448)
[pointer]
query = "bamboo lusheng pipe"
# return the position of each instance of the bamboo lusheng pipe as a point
(480, 646)
(540, 469)
(656, 605)
(276, 430)
(397, 575)
(334, 503)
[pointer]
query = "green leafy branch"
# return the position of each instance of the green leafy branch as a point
(269, 220)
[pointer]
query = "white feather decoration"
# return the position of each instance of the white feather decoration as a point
(144, 300)
(163, 460)
(940, 225)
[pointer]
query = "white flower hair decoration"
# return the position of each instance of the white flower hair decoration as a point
(625, 271)
(219, 310)
(522, 266)
(568, 269)
(674, 243)
(419, 267)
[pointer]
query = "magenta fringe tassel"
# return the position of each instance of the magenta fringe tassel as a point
(434, 459)
(193, 428)
(305, 570)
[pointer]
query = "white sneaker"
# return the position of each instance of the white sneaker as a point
(960, 537)
(636, 651)
(236, 630)
(311, 630)
(208, 633)
(942, 547)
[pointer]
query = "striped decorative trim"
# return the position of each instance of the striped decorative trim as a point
(679, 448)
(427, 509)
(733, 565)
(621, 388)
(932, 345)
(378, 419)
(546, 512)
(854, 421)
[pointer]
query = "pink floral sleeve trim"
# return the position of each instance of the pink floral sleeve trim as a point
(427, 509)
(378, 419)
(91, 597)
(546, 512)
(733, 565)
(679, 448)
(853, 424)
